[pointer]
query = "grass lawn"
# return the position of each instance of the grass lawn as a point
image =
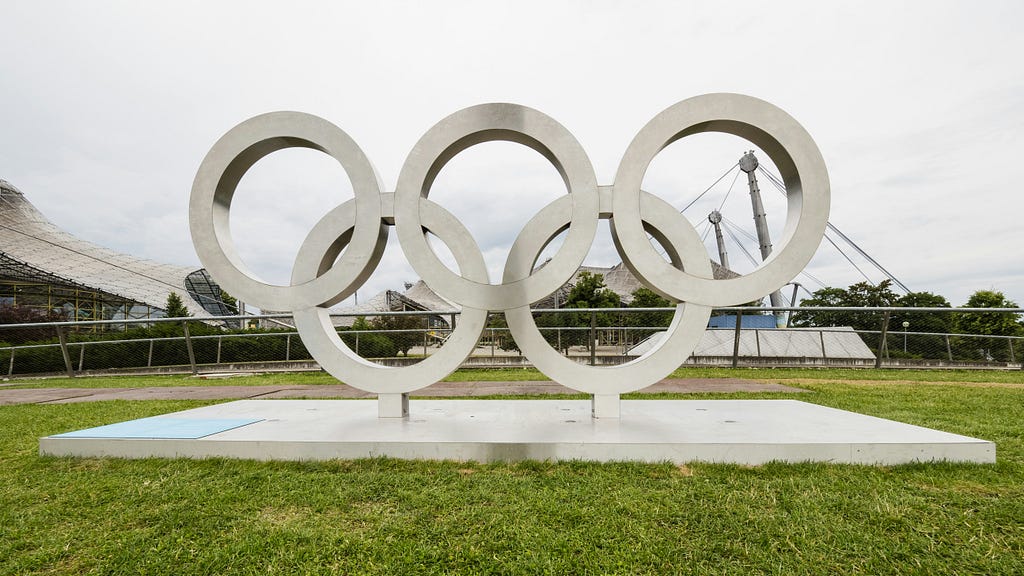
(785, 375)
(74, 516)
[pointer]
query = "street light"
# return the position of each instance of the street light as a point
(905, 326)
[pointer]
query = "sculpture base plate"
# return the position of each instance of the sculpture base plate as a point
(728, 431)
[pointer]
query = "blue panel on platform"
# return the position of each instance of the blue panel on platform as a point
(160, 427)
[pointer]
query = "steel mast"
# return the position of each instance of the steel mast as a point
(716, 220)
(748, 163)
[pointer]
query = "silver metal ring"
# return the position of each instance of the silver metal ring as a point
(486, 123)
(681, 337)
(321, 338)
(214, 187)
(782, 139)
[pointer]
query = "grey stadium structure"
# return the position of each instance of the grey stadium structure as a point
(44, 267)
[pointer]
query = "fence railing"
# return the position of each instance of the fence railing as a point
(876, 337)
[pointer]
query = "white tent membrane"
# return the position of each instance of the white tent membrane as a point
(33, 249)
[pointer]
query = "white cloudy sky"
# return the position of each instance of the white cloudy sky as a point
(107, 108)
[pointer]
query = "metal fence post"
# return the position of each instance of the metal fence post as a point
(219, 340)
(736, 339)
(149, 359)
(1010, 342)
(10, 369)
(188, 345)
(949, 349)
(881, 340)
(64, 352)
(821, 336)
(593, 338)
(288, 348)
(81, 356)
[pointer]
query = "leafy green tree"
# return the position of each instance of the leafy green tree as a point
(989, 323)
(858, 295)
(175, 308)
(939, 322)
(588, 292)
(931, 322)
(646, 298)
(361, 339)
(230, 301)
(501, 334)
(10, 314)
(403, 331)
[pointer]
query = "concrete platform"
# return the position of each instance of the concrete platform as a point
(729, 431)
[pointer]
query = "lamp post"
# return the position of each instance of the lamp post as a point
(905, 326)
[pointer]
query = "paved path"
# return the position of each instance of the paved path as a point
(439, 390)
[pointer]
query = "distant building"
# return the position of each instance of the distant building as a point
(44, 267)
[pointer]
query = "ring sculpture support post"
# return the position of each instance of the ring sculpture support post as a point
(345, 246)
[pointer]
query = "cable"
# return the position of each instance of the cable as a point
(740, 229)
(734, 178)
(707, 231)
(753, 238)
(782, 188)
(729, 231)
(731, 168)
(869, 258)
(836, 246)
(779, 184)
(813, 279)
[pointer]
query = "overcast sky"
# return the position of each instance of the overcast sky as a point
(107, 109)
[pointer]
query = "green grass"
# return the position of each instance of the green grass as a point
(842, 374)
(100, 516)
(525, 374)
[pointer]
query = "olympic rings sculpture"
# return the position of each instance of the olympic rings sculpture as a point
(360, 228)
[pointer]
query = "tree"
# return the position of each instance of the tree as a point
(175, 308)
(403, 331)
(937, 322)
(361, 340)
(230, 301)
(990, 324)
(588, 292)
(500, 332)
(858, 295)
(11, 314)
(646, 298)
(930, 322)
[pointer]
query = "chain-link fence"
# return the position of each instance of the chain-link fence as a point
(872, 337)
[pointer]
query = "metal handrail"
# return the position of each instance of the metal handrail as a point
(60, 328)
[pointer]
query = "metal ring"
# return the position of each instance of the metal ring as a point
(214, 187)
(681, 337)
(791, 149)
(486, 123)
(357, 230)
(319, 336)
